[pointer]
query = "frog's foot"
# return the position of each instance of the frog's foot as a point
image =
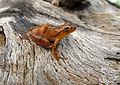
(55, 53)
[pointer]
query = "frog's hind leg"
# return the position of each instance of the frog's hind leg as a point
(39, 40)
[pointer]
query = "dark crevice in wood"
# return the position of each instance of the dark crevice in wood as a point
(34, 55)
(113, 59)
(113, 3)
(2, 36)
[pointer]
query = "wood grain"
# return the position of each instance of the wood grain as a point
(83, 52)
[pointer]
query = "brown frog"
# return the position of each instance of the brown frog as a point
(49, 36)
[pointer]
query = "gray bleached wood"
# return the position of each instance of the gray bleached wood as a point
(83, 52)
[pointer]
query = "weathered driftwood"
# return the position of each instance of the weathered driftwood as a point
(83, 52)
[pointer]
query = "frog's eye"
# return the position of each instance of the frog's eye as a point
(66, 29)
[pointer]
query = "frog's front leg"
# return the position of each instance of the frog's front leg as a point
(55, 43)
(55, 53)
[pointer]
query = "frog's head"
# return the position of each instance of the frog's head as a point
(66, 31)
(69, 29)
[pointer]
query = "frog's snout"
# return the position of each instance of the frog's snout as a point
(73, 29)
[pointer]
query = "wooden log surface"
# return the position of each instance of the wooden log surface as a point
(90, 55)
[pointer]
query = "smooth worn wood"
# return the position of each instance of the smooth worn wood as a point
(90, 55)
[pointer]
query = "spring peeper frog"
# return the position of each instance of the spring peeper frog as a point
(49, 36)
